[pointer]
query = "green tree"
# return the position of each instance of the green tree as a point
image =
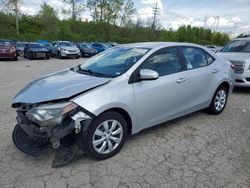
(49, 21)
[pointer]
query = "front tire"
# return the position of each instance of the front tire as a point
(106, 135)
(219, 100)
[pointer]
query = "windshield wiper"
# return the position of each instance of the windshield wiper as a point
(89, 71)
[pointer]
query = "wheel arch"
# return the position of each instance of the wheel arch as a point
(126, 116)
(226, 84)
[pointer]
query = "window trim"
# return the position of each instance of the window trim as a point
(134, 76)
(181, 48)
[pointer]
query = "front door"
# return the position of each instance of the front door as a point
(162, 99)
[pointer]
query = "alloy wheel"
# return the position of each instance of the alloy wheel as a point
(107, 136)
(220, 100)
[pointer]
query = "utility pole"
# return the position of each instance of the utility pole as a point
(217, 25)
(155, 13)
(205, 22)
(235, 27)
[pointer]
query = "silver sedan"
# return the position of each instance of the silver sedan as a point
(119, 92)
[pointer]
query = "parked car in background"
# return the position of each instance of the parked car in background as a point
(36, 51)
(113, 44)
(65, 49)
(20, 48)
(238, 53)
(8, 50)
(100, 47)
(45, 43)
(213, 48)
(86, 49)
(123, 91)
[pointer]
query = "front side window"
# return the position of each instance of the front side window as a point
(164, 62)
(113, 62)
(242, 46)
(196, 58)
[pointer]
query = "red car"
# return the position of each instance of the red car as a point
(8, 50)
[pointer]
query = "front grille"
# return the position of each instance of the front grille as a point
(239, 66)
(72, 51)
(40, 54)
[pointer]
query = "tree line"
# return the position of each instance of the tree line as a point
(112, 20)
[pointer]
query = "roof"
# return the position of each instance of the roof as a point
(152, 45)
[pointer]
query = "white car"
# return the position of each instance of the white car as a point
(65, 49)
(238, 53)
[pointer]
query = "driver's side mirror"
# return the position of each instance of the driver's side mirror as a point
(147, 74)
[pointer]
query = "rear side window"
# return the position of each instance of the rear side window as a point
(164, 62)
(196, 58)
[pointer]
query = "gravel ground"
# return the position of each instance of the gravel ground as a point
(198, 150)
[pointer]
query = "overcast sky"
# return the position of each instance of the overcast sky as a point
(175, 13)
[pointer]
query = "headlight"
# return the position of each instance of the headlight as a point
(50, 114)
(62, 49)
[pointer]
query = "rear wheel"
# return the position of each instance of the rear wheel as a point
(106, 135)
(219, 101)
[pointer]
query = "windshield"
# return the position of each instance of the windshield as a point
(4, 43)
(20, 44)
(113, 62)
(85, 45)
(36, 46)
(65, 44)
(237, 46)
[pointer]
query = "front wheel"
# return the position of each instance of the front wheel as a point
(219, 101)
(106, 135)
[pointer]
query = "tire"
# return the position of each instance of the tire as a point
(220, 97)
(30, 56)
(93, 136)
(59, 55)
(77, 57)
(15, 58)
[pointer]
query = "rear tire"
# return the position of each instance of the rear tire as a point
(219, 101)
(111, 128)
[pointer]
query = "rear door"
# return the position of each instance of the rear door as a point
(162, 99)
(201, 77)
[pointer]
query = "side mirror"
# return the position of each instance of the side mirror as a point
(147, 74)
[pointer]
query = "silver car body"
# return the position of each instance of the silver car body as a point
(65, 51)
(241, 61)
(148, 102)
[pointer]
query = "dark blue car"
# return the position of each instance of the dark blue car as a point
(36, 51)
(100, 47)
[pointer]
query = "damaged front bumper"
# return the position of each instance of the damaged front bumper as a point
(32, 139)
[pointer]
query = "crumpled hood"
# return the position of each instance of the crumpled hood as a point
(235, 56)
(60, 85)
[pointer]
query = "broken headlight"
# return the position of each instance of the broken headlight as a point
(52, 114)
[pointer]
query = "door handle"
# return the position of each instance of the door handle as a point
(215, 70)
(181, 80)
